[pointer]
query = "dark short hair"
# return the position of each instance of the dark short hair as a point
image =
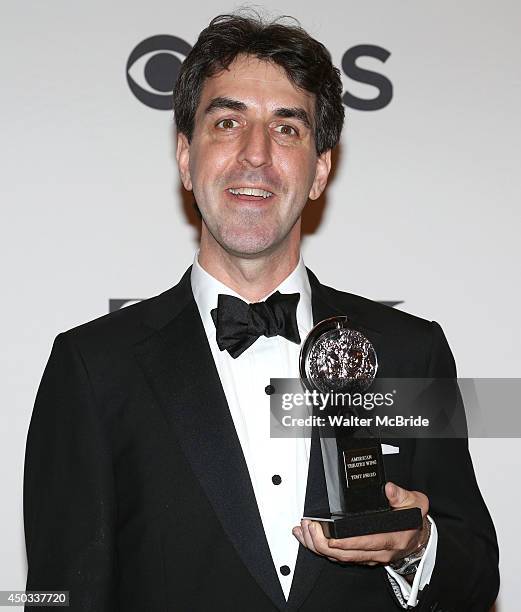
(306, 61)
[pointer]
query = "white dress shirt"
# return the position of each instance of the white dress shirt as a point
(275, 460)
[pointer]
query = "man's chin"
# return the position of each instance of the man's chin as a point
(249, 247)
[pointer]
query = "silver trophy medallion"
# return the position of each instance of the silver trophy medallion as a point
(335, 358)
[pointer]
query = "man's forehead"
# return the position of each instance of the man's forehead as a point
(250, 70)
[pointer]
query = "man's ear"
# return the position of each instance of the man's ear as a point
(321, 174)
(183, 160)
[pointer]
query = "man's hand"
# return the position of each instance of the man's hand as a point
(375, 549)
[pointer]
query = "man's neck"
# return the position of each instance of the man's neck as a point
(252, 278)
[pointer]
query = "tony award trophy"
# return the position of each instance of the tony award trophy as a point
(336, 360)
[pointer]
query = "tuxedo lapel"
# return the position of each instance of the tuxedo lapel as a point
(309, 565)
(327, 303)
(179, 366)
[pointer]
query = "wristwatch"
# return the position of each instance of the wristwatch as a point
(409, 564)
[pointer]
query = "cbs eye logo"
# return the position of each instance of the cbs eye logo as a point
(154, 64)
(153, 67)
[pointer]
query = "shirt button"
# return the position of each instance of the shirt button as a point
(276, 480)
(269, 389)
(284, 570)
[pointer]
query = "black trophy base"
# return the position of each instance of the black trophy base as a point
(349, 525)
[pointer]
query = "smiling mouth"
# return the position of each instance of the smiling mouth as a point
(250, 192)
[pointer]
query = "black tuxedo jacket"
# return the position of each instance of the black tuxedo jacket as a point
(137, 496)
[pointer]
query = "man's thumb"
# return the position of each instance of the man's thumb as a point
(397, 496)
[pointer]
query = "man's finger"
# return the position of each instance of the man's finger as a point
(397, 496)
(320, 542)
(363, 557)
(402, 498)
(297, 532)
(308, 540)
(378, 541)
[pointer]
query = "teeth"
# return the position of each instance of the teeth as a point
(251, 191)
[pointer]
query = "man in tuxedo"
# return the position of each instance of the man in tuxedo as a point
(151, 481)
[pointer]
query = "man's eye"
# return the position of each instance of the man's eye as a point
(227, 124)
(287, 130)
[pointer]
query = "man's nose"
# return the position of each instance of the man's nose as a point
(255, 147)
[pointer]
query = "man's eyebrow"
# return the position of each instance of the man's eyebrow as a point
(294, 112)
(223, 102)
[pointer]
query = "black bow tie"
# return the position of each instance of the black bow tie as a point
(239, 324)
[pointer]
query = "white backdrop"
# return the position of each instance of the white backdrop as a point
(425, 194)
